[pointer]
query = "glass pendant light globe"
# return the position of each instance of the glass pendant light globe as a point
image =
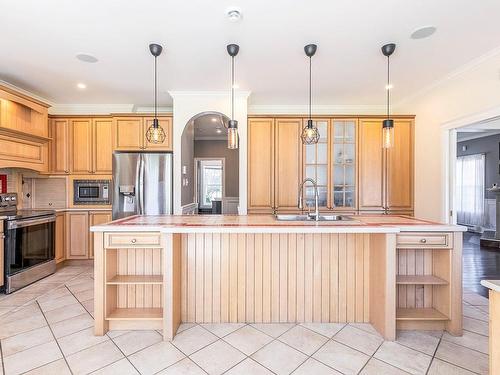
(388, 133)
(155, 133)
(232, 135)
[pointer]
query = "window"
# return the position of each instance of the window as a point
(210, 185)
(470, 189)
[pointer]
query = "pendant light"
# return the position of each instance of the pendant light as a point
(155, 133)
(232, 125)
(310, 134)
(388, 123)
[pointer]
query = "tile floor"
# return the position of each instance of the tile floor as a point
(47, 329)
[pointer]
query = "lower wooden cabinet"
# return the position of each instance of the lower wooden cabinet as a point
(1, 254)
(60, 245)
(96, 218)
(77, 238)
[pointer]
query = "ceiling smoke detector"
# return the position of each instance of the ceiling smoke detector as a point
(234, 14)
(85, 57)
(423, 32)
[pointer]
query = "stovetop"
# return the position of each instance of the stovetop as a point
(8, 204)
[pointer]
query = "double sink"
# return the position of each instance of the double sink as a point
(313, 218)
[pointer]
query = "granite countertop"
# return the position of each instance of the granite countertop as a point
(269, 224)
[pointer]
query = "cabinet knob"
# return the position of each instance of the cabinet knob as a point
(133, 240)
(423, 240)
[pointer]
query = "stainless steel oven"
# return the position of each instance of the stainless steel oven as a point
(91, 192)
(29, 246)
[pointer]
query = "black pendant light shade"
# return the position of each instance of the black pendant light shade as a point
(155, 133)
(388, 123)
(232, 125)
(310, 134)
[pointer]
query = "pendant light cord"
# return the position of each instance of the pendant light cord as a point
(388, 86)
(156, 112)
(232, 87)
(310, 88)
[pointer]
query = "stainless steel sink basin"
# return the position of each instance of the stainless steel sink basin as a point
(309, 218)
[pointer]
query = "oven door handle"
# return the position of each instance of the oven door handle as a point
(14, 224)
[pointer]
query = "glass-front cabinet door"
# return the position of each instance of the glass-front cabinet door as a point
(343, 164)
(316, 166)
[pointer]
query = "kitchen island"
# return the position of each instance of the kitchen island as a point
(154, 272)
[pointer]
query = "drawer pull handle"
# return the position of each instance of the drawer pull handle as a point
(423, 240)
(133, 240)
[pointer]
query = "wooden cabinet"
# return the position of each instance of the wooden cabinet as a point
(60, 253)
(96, 218)
(2, 263)
(287, 163)
(81, 142)
(60, 146)
(386, 175)
(77, 235)
(129, 133)
(102, 153)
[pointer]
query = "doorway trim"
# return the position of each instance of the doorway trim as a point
(449, 132)
(196, 193)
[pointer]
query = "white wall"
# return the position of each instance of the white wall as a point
(188, 104)
(467, 93)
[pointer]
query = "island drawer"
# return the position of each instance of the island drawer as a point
(424, 240)
(124, 240)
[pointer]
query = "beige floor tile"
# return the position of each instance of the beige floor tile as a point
(183, 367)
(404, 358)
(58, 367)
(279, 358)
(439, 367)
(42, 288)
(247, 367)
(248, 339)
(470, 340)
(5, 310)
(341, 357)
(19, 313)
(85, 295)
(476, 326)
(26, 340)
(81, 285)
(311, 366)
(113, 334)
(475, 312)
(31, 358)
(303, 339)
(89, 306)
(156, 358)
(137, 340)
(65, 312)
(366, 327)
(17, 299)
(376, 367)
(185, 326)
(358, 339)
(325, 329)
(23, 325)
(121, 367)
(463, 357)
(217, 357)
(72, 325)
(273, 329)
(55, 303)
(222, 329)
(94, 358)
(418, 340)
(485, 309)
(54, 294)
(193, 339)
(80, 340)
(475, 299)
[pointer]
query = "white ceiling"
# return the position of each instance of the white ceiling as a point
(41, 38)
(205, 128)
(479, 130)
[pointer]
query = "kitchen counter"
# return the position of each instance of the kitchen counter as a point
(494, 323)
(395, 272)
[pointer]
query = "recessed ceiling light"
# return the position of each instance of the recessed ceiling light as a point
(214, 119)
(389, 86)
(236, 86)
(234, 14)
(218, 130)
(85, 57)
(81, 85)
(423, 32)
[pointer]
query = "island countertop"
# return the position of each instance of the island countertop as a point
(269, 224)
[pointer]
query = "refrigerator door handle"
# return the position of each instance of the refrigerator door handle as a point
(141, 185)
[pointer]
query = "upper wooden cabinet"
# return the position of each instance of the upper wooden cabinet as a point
(81, 142)
(386, 175)
(274, 164)
(129, 133)
(102, 153)
(60, 146)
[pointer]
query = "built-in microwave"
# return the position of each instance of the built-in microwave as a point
(91, 191)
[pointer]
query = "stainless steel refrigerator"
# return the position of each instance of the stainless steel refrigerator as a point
(142, 184)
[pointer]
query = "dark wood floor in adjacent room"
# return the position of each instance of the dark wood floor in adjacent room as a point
(479, 263)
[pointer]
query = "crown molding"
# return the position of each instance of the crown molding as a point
(26, 92)
(317, 109)
(160, 110)
(487, 115)
(452, 75)
(237, 93)
(90, 109)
